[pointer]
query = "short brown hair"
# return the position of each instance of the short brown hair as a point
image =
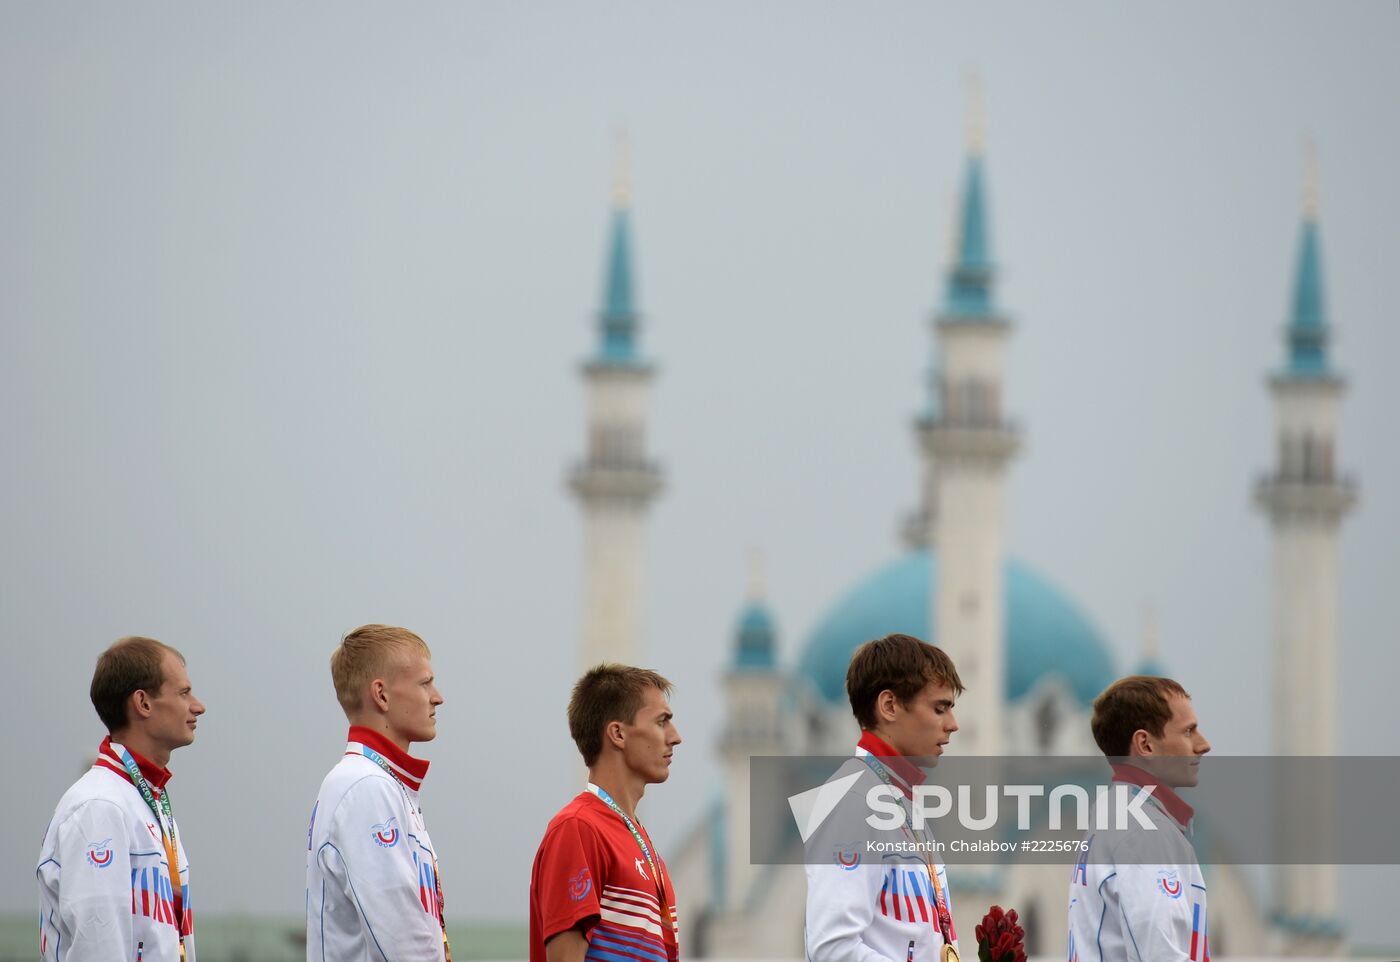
(129, 665)
(899, 663)
(367, 653)
(1138, 702)
(607, 693)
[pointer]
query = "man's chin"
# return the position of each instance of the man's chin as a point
(1185, 776)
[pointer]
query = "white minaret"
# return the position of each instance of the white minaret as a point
(752, 685)
(616, 481)
(1305, 500)
(969, 443)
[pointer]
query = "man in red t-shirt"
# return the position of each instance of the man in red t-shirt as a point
(599, 890)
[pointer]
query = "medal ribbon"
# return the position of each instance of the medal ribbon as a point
(668, 931)
(164, 815)
(379, 760)
(641, 842)
(940, 904)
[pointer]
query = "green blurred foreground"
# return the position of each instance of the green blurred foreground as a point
(261, 939)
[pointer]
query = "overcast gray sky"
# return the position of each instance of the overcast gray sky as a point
(294, 298)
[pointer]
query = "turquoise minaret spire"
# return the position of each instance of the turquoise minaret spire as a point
(970, 279)
(617, 320)
(754, 645)
(756, 638)
(965, 378)
(1307, 328)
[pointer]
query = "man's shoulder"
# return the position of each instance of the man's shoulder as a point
(584, 817)
(855, 765)
(348, 771)
(1132, 843)
(350, 780)
(98, 798)
(582, 811)
(98, 785)
(835, 812)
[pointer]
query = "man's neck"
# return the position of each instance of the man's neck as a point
(143, 745)
(624, 786)
(1147, 767)
(883, 733)
(378, 723)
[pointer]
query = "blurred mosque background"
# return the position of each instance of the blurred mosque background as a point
(1030, 657)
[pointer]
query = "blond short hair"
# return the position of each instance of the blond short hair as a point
(367, 653)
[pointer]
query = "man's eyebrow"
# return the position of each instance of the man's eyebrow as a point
(944, 703)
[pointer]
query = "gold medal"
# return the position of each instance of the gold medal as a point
(940, 910)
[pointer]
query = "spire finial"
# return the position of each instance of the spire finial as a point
(975, 120)
(1309, 178)
(954, 228)
(1150, 646)
(622, 169)
(758, 586)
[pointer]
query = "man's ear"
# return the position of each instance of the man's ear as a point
(138, 706)
(614, 735)
(379, 695)
(1141, 743)
(884, 706)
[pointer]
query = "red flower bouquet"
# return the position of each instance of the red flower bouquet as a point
(999, 938)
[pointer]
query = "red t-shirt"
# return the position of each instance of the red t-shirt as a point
(590, 869)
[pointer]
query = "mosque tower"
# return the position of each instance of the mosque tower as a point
(969, 443)
(916, 529)
(753, 726)
(1305, 500)
(616, 481)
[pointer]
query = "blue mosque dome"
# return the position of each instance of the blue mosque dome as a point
(1046, 632)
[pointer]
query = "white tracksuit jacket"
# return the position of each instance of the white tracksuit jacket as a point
(371, 882)
(865, 907)
(1138, 894)
(104, 879)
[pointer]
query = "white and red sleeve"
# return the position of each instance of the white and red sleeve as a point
(94, 892)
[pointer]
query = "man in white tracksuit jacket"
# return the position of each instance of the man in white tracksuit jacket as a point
(866, 907)
(1137, 893)
(372, 885)
(113, 874)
